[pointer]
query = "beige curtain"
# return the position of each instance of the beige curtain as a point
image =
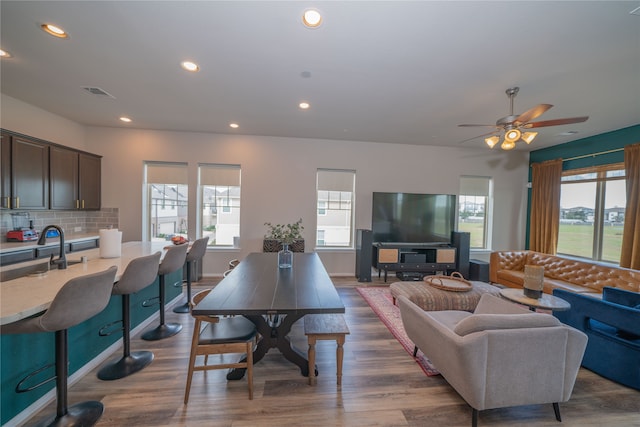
(545, 206)
(630, 256)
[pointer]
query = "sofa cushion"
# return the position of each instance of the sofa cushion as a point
(485, 322)
(514, 276)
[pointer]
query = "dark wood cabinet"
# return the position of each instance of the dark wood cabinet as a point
(75, 179)
(90, 185)
(25, 173)
(36, 174)
(64, 178)
(5, 171)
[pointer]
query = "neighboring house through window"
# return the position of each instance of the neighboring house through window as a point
(474, 209)
(335, 198)
(166, 201)
(219, 202)
(592, 208)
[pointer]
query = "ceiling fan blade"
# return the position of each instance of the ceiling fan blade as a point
(555, 122)
(531, 114)
(468, 126)
(478, 136)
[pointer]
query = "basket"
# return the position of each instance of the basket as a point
(454, 283)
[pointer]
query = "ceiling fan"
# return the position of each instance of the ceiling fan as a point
(513, 125)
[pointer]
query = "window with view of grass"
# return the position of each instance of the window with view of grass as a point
(474, 209)
(334, 207)
(592, 207)
(166, 200)
(219, 202)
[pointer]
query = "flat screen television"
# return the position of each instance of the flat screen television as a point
(413, 218)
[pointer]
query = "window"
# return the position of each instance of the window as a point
(335, 192)
(166, 195)
(219, 203)
(474, 209)
(592, 207)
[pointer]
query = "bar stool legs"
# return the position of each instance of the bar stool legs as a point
(163, 330)
(184, 308)
(81, 414)
(173, 260)
(195, 253)
(130, 363)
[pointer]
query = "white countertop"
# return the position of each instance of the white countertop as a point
(26, 296)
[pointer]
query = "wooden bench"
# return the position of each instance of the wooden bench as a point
(325, 327)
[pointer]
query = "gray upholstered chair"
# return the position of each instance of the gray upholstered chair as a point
(500, 355)
(195, 253)
(78, 300)
(173, 260)
(140, 273)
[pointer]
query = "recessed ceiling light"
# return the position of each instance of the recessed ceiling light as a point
(190, 66)
(311, 18)
(4, 54)
(568, 133)
(54, 31)
(125, 119)
(304, 105)
(234, 125)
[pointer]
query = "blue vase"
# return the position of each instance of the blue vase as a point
(285, 257)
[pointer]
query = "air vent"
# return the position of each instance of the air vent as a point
(98, 91)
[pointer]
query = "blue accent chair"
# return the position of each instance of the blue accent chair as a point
(613, 327)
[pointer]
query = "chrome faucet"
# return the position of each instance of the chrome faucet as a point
(61, 262)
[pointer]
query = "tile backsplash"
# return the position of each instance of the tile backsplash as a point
(72, 221)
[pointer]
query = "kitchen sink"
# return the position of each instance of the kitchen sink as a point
(15, 273)
(35, 270)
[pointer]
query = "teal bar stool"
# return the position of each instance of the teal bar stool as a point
(195, 253)
(172, 261)
(140, 273)
(78, 300)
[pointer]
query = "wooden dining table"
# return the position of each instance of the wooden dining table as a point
(274, 299)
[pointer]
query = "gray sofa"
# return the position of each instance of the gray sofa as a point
(500, 355)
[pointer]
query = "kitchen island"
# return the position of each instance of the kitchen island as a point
(32, 294)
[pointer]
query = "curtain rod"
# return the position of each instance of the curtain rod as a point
(593, 154)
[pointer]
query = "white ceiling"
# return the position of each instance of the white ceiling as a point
(404, 72)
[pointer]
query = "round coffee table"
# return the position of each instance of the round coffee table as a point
(545, 302)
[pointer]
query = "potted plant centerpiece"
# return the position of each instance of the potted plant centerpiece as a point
(279, 234)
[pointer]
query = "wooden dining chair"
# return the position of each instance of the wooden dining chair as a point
(220, 336)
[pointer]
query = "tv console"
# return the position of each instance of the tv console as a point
(423, 258)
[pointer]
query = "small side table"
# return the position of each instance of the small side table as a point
(545, 302)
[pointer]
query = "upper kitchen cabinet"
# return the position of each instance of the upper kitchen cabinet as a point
(24, 174)
(75, 179)
(90, 180)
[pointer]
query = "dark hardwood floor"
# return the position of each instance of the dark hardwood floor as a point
(381, 386)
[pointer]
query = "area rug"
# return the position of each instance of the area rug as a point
(381, 302)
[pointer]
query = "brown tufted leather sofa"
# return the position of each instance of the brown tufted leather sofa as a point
(507, 268)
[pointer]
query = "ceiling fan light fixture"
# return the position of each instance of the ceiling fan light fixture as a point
(492, 141)
(508, 145)
(529, 136)
(512, 135)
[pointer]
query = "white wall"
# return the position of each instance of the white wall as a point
(279, 176)
(24, 118)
